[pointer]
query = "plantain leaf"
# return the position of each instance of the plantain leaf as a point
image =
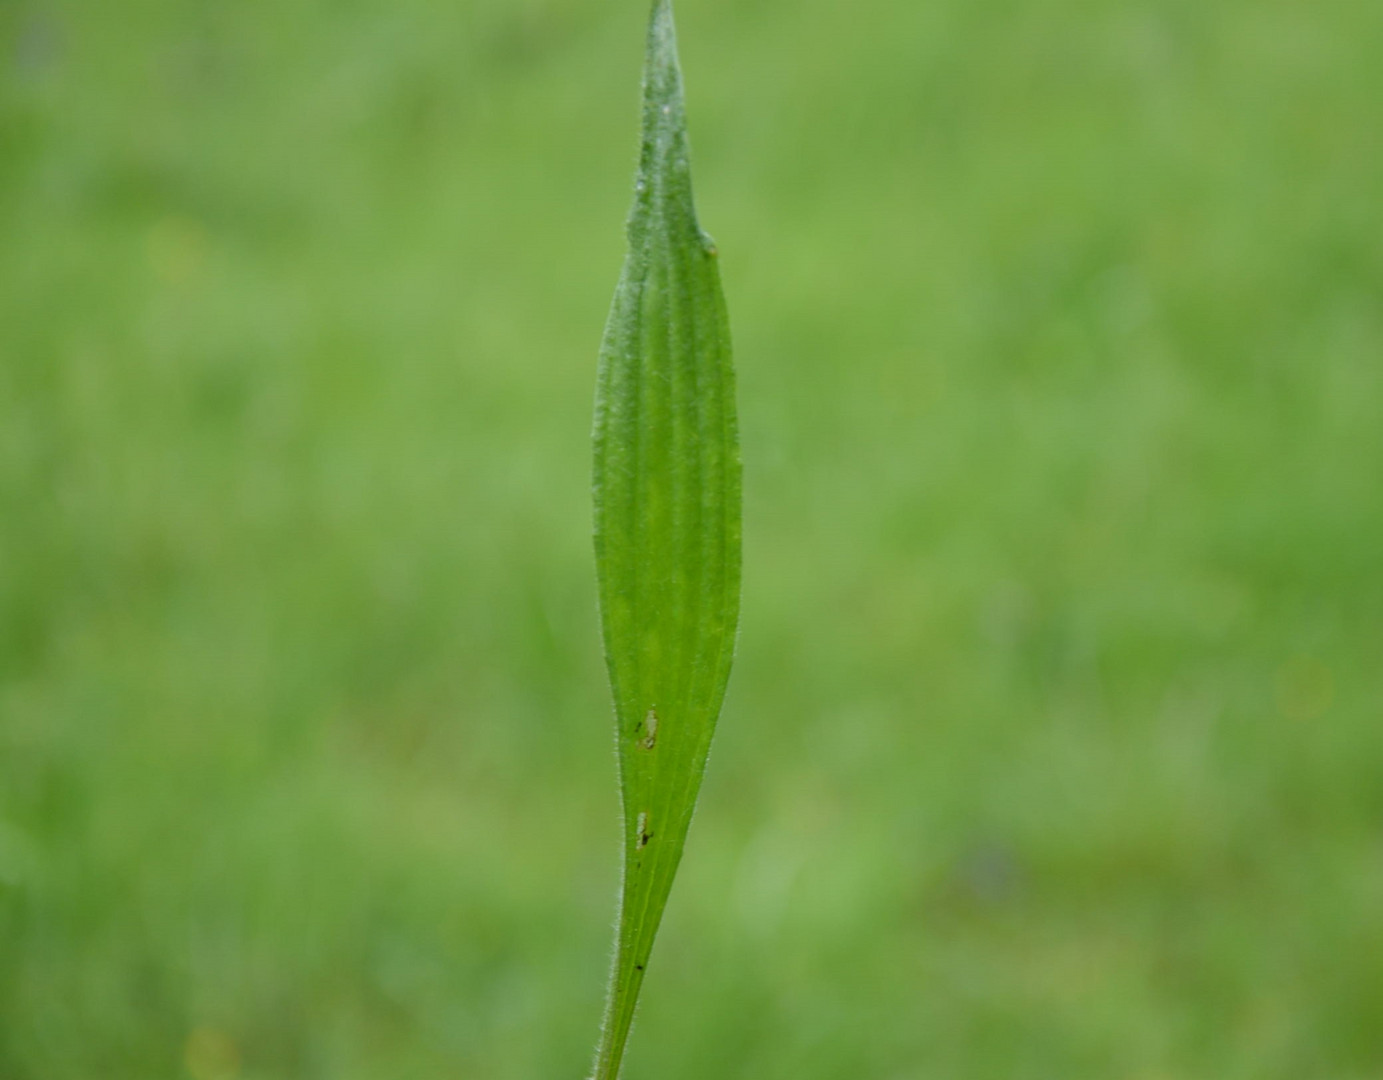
(667, 521)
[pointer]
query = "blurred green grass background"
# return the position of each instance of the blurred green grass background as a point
(1055, 744)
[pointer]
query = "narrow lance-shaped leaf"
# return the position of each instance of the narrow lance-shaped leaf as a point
(667, 521)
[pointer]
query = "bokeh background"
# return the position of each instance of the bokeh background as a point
(1055, 745)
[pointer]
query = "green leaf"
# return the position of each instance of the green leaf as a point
(667, 521)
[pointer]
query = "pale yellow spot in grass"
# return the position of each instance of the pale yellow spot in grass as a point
(176, 247)
(211, 1054)
(1305, 689)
